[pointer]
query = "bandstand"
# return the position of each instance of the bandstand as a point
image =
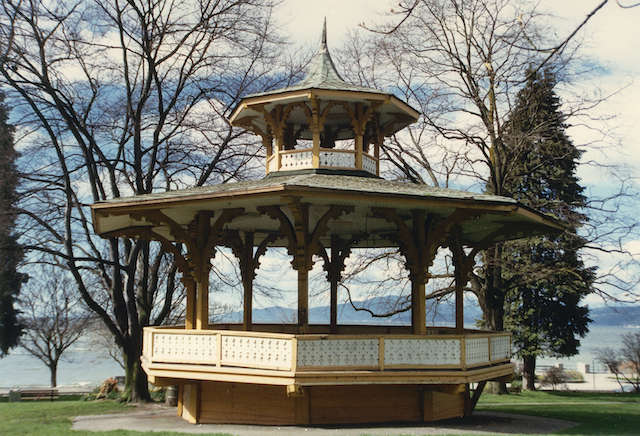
(322, 199)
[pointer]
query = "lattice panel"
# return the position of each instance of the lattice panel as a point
(500, 347)
(256, 352)
(185, 348)
(477, 350)
(337, 159)
(368, 164)
(338, 352)
(273, 164)
(296, 161)
(146, 343)
(421, 352)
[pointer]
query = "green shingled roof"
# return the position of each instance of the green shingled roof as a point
(329, 182)
(321, 74)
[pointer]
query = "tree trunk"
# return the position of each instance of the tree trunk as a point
(136, 385)
(529, 373)
(53, 372)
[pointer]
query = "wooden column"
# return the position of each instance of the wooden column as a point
(247, 285)
(418, 275)
(463, 265)
(267, 143)
(201, 273)
(359, 118)
(279, 148)
(418, 306)
(333, 305)
(201, 239)
(459, 277)
(276, 119)
(418, 244)
(190, 288)
(249, 262)
(315, 131)
(334, 266)
(302, 260)
(358, 129)
(303, 298)
(303, 244)
(376, 153)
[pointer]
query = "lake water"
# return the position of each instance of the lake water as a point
(85, 366)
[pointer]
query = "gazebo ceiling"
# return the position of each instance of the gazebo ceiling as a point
(482, 219)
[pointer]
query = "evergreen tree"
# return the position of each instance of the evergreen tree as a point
(10, 252)
(546, 278)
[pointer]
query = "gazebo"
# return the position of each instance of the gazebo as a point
(321, 199)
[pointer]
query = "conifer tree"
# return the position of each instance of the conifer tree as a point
(10, 252)
(545, 276)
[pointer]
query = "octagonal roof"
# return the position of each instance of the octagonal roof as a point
(490, 218)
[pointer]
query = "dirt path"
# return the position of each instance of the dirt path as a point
(163, 419)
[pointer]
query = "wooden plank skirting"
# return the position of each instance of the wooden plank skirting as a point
(241, 403)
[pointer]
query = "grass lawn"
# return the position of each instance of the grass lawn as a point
(53, 418)
(595, 413)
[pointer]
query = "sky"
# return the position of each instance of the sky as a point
(609, 40)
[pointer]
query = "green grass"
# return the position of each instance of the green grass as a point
(53, 418)
(595, 413)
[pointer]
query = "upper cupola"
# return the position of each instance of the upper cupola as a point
(323, 122)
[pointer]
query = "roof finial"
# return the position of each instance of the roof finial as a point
(324, 33)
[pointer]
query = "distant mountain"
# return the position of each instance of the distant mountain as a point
(444, 315)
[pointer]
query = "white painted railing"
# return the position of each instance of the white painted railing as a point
(287, 352)
(295, 160)
(337, 159)
(272, 163)
(291, 160)
(410, 352)
(369, 164)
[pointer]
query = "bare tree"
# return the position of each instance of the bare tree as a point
(462, 64)
(625, 362)
(53, 316)
(121, 97)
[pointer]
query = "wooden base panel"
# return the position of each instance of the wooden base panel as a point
(243, 403)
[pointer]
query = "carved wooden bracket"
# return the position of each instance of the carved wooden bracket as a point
(302, 244)
(147, 233)
(242, 249)
(420, 243)
(334, 264)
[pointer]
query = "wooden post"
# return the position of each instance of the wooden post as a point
(419, 275)
(315, 130)
(203, 265)
(460, 274)
(247, 283)
(202, 307)
(334, 266)
(333, 305)
(359, 141)
(334, 276)
(267, 143)
(303, 245)
(303, 298)
(190, 317)
(418, 306)
(376, 154)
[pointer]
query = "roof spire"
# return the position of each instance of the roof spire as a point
(324, 34)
